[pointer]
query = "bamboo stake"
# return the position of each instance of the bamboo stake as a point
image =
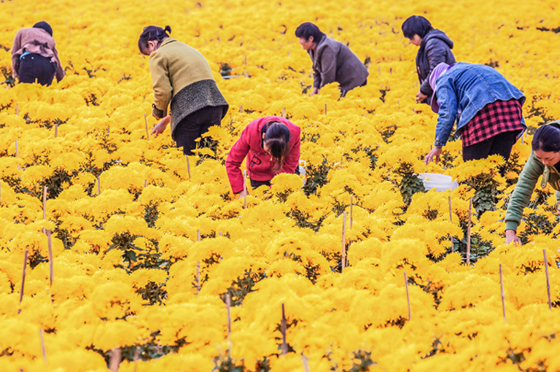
(17, 109)
(228, 307)
(43, 346)
(547, 279)
(407, 295)
(351, 213)
(98, 186)
(283, 112)
(147, 131)
(283, 327)
(108, 130)
(197, 278)
(241, 108)
(136, 357)
(55, 130)
(17, 155)
(305, 365)
(189, 167)
(45, 202)
(343, 242)
(451, 220)
(115, 360)
(49, 239)
(325, 109)
(245, 189)
(145, 183)
(469, 234)
(219, 234)
(197, 235)
(23, 278)
(379, 70)
(503, 295)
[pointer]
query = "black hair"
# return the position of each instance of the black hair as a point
(277, 139)
(152, 33)
(416, 25)
(308, 29)
(547, 139)
(44, 26)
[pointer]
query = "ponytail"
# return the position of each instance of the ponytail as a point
(547, 139)
(152, 33)
(277, 140)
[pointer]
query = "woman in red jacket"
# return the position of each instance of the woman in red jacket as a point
(271, 145)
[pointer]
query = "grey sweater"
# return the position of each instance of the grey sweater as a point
(334, 61)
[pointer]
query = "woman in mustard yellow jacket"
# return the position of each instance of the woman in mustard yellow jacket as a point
(182, 80)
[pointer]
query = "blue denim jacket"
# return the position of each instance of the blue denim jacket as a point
(464, 90)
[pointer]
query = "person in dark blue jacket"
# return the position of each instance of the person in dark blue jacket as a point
(486, 107)
(435, 48)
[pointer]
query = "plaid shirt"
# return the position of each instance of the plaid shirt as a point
(495, 118)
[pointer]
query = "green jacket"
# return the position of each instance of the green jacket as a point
(528, 178)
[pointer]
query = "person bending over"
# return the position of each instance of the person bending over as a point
(271, 145)
(183, 80)
(332, 60)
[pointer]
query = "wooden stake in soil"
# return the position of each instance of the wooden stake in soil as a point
(245, 189)
(228, 307)
(283, 326)
(469, 234)
(136, 357)
(147, 131)
(451, 220)
(17, 156)
(55, 130)
(197, 235)
(43, 346)
(115, 360)
(283, 112)
(547, 279)
(325, 109)
(503, 295)
(17, 109)
(98, 186)
(188, 167)
(407, 295)
(305, 359)
(145, 183)
(351, 214)
(49, 239)
(45, 202)
(197, 278)
(241, 108)
(23, 278)
(343, 242)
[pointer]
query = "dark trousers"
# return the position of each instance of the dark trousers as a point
(36, 68)
(194, 126)
(501, 144)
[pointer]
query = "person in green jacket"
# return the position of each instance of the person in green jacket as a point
(183, 81)
(545, 161)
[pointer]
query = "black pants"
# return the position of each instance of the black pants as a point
(195, 125)
(36, 68)
(501, 144)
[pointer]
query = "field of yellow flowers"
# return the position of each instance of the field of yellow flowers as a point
(144, 254)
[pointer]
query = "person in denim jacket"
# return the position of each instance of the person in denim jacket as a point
(485, 106)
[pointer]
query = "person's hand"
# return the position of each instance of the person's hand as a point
(421, 97)
(433, 155)
(511, 236)
(242, 194)
(314, 91)
(159, 128)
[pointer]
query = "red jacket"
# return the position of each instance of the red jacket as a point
(259, 163)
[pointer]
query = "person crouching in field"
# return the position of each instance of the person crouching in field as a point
(486, 107)
(543, 161)
(435, 48)
(182, 79)
(34, 55)
(271, 145)
(332, 60)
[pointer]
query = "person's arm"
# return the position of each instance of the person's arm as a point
(435, 54)
(447, 114)
(328, 66)
(316, 78)
(15, 58)
(522, 193)
(160, 127)
(163, 91)
(59, 70)
(292, 160)
(235, 157)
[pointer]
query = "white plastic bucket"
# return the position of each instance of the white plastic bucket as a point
(440, 182)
